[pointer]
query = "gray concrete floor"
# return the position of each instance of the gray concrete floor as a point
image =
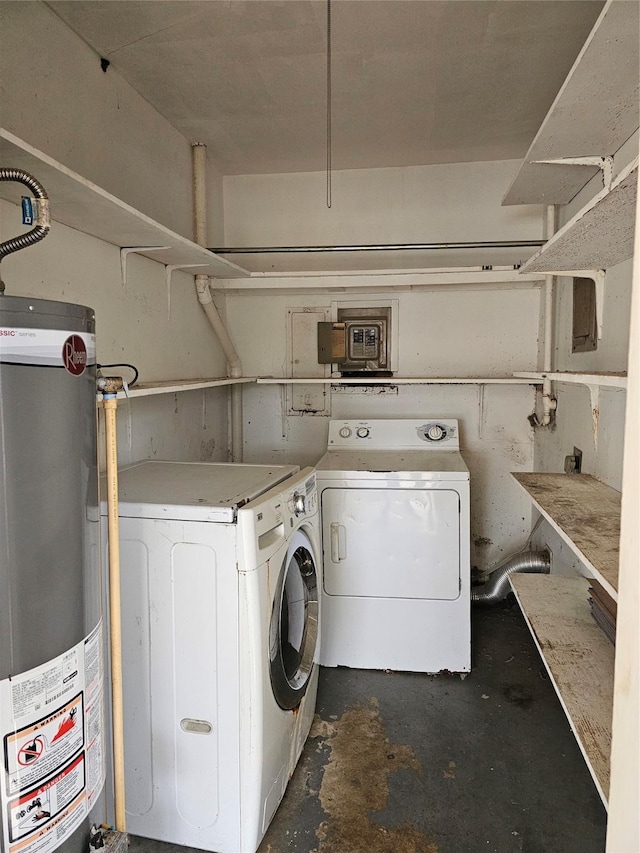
(410, 763)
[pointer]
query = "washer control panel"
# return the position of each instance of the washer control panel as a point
(406, 433)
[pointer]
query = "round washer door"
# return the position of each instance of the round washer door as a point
(293, 632)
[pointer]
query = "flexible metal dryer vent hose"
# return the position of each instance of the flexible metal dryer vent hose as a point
(41, 229)
(497, 587)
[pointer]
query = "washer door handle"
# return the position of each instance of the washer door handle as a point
(338, 542)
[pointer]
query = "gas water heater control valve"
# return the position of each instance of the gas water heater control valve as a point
(362, 432)
(299, 504)
(345, 432)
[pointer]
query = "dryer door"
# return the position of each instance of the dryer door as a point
(293, 632)
(392, 543)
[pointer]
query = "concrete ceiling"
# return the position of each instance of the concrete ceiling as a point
(413, 81)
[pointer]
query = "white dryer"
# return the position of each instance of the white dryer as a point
(394, 498)
(220, 587)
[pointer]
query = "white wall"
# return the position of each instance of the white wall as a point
(459, 202)
(412, 204)
(133, 325)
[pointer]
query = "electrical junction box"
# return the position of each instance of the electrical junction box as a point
(359, 341)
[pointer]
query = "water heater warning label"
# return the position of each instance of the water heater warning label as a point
(52, 732)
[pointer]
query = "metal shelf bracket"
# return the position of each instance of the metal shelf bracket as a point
(605, 164)
(124, 254)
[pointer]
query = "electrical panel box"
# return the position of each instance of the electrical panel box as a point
(359, 342)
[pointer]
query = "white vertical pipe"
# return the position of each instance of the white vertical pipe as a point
(548, 296)
(548, 402)
(200, 193)
(234, 366)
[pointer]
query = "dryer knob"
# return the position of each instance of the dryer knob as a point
(345, 432)
(363, 432)
(299, 504)
(436, 433)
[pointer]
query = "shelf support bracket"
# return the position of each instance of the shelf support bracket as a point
(168, 275)
(124, 254)
(605, 164)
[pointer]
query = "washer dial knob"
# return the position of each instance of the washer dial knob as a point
(362, 432)
(299, 504)
(345, 432)
(436, 433)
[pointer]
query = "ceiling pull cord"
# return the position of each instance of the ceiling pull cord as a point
(329, 103)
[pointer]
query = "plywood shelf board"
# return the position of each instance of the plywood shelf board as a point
(395, 380)
(344, 280)
(579, 659)
(594, 113)
(599, 236)
(83, 205)
(175, 385)
(586, 514)
(608, 380)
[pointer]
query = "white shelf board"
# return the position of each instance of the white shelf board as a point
(382, 278)
(599, 236)
(586, 515)
(83, 205)
(608, 380)
(594, 113)
(397, 380)
(579, 659)
(173, 386)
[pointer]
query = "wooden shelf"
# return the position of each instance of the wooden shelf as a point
(608, 380)
(599, 236)
(396, 380)
(174, 386)
(594, 113)
(579, 659)
(586, 514)
(86, 207)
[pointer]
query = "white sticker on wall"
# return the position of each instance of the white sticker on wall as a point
(52, 730)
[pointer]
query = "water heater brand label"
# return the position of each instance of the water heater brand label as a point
(74, 355)
(74, 351)
(53, 748)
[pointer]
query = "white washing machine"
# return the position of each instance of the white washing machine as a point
(220, 586)
(394, 499)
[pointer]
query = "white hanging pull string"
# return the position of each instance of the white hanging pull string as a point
(328, 103)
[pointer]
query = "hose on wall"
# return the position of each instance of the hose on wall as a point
(41, 229)
(497, 587)
(42, 221)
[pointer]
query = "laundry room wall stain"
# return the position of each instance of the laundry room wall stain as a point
(355, 785)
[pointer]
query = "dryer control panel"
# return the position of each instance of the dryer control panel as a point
(394, 434)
